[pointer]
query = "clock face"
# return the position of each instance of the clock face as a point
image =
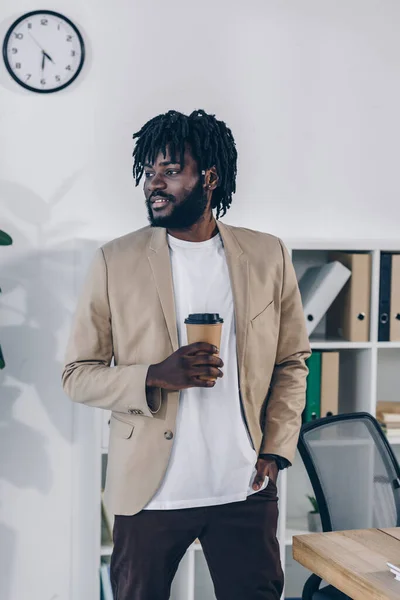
(43, 51)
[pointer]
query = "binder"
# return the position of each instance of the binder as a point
(385, 275)
(319, 286)
(312, 409)
(395, 299)
(349, 315)
(329, 383)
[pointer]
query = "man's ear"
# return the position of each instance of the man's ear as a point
(211, 178)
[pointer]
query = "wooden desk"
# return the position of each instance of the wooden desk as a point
(353, 561)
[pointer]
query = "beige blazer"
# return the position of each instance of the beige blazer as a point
(126, 311)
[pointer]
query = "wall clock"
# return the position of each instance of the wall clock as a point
(43, 51)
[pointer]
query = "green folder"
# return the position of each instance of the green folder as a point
(312, 409)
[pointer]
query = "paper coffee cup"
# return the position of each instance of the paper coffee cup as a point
(204, 327)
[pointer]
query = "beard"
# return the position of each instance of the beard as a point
(183, 215)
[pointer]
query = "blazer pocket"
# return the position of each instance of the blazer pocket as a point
(262, 313)
(120, 428)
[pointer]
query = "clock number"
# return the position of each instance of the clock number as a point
(58, 78)
(19, 36)
(68, 67)
(73, 53)
(59, 26)
(14, 50)
(17, 65)
(28, 76)
(44, 22)
(43, 81)
(69, 38)
(29, 25)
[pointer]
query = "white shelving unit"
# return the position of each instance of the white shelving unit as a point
(369, 371)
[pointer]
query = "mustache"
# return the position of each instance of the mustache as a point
(161, 194)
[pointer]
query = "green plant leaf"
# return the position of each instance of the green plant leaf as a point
(313, 503)
(5, 239)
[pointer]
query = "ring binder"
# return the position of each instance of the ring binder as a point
(349, 316)
(319, 286)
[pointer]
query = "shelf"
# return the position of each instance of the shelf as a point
(320, 343)
(296, 526)
(343, 244)
(388, 344)
(394, 441)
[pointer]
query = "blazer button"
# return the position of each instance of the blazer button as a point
(168, 435)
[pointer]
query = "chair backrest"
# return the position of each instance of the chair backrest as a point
(353, 471)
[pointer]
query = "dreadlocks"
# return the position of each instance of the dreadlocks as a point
(211, 143)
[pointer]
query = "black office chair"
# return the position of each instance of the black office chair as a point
(355, 477)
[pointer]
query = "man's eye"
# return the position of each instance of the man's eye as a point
(148, 175)
(172, 172)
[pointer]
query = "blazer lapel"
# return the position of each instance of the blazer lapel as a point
(158, 255)
(239, 273)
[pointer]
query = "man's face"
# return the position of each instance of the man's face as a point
(175, 197)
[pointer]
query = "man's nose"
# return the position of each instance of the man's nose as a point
(157, 183)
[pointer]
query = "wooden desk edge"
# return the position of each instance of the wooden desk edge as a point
(312, 559)
(299, 544)
(308, 561)
(394, 532)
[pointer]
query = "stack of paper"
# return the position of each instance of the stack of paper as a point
(392, 423)
(388, 415)
(395, 569)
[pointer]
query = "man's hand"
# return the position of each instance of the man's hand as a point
(265, 468)
(196, 365)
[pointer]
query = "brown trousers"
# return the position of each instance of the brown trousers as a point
(238, 539)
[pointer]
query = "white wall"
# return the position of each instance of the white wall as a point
(311, 91)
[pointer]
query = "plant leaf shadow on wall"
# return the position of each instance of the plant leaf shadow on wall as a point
(37, 280)
(35, 294)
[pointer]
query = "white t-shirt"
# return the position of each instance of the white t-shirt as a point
(212, 459)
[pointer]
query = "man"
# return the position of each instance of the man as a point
(191, 457)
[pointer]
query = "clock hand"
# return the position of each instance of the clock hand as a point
(43, 59)
(37, 44)
(49, 57)
(44, 53)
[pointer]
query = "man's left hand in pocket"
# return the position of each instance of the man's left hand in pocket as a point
(265, 468)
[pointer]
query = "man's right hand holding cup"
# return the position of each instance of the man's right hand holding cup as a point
(195, 365)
